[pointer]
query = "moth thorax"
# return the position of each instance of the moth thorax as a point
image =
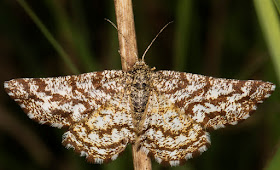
(140, 91)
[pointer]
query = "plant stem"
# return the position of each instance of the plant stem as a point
(129, 55)
(126, 32)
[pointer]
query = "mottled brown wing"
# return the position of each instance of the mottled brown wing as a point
(171, 137)
(212, 102)
(183, 106)
(105, 133)
(62, 101)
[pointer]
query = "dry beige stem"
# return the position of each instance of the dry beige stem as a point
(128, 53)
(126, 30)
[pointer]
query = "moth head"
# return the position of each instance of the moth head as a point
(140, 65)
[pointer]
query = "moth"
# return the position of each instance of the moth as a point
(166, 113)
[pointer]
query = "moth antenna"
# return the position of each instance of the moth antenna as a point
(114, 25)
(136, 54)
(143, 56)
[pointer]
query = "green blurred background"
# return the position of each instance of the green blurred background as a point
(221, 38)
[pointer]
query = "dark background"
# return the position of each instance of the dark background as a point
(221, 38)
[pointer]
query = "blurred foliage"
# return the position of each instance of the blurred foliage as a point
(275, 163)
(221, 38)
